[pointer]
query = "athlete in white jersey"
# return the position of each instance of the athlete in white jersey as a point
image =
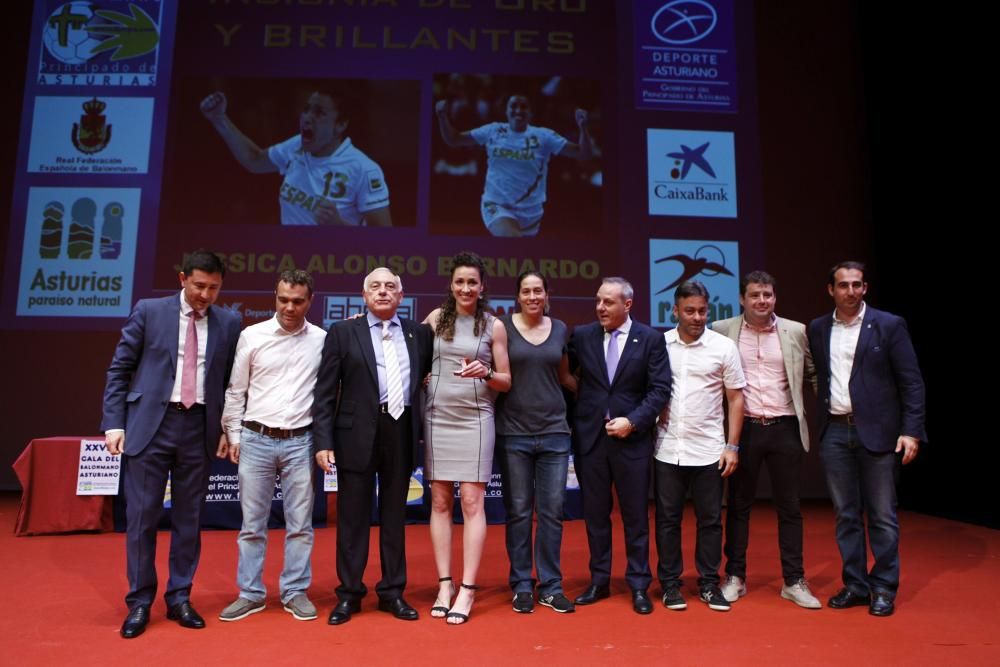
(517, 164)
(327, 180)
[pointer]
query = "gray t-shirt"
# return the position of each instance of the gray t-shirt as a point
(535, 404)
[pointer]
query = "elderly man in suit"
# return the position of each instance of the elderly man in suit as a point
(366, 416)
(162, 410)
(624, 382)
(776, 364)
(871, 418)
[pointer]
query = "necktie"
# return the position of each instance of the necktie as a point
(189, 372)
(393, 381)
(612, 357)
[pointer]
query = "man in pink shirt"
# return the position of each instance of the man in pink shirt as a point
(776, 362)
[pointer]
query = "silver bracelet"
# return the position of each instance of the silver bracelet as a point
(732, 448)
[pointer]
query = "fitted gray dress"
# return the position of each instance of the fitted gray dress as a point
(459, 431)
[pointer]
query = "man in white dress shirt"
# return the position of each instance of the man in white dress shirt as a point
(692, 451)
(268, 420)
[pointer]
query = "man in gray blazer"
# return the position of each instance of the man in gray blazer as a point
(776, 363)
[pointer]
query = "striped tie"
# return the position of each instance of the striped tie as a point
(393, 381)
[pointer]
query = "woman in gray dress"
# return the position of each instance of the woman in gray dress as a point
(469, 367)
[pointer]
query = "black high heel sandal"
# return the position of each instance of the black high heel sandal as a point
(439, 608)
(463, 618)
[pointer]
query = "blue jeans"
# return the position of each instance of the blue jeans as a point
(861, 481)
(261, 459)
(534, 474)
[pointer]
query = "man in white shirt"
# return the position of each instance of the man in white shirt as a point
(692, 451)
(268, 420)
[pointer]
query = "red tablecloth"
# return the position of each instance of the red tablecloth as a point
(47, 471)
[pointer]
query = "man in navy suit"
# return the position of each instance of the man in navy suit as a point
(366, 413)
(624, 382)
(162, 411)
(871, 411)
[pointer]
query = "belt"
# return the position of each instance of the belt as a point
(841, 419)
(768, 421)
(277, 433)
(183, 408)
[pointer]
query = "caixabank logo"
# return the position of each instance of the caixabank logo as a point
(107, 43)
(78, 255)
(91, 135)
(713, 263)
(691, 173)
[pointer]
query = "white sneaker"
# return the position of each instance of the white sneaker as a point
(734, 588)
(800, 594)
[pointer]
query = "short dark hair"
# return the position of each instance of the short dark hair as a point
(522, 96)
(690, 288)
(297, 277)
(525, 274)
(343, 105)
(847, 264)
(203, 260)
(759, 277)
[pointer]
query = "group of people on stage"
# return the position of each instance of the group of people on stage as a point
(185, 384)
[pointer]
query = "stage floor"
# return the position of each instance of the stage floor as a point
(64, 604)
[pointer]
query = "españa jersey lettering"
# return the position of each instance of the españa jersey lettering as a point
(348, 178)
(517, 162)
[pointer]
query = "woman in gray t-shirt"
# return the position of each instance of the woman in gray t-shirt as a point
(533, 441)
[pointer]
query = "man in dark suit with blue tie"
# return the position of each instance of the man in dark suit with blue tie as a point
(624, 383)
(366, 416)
(871, 417)
(162, 411)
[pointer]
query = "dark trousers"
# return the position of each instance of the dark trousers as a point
(177, 449)
(779, 447)
(392, 460)
(605, 464)
(862, 482)
(672, 484)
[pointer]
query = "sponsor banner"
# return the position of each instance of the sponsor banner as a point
(115, 43)
(685, 55)
(91, 135)
(98, 471)
(501, 307)
(713, 263)
(78, 255)
(691, 173)
(341, 307)
(251, 308)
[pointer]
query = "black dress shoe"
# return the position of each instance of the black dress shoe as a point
(881, 604)
(186, 616)
(847, 598)
(342, 612)
(398, 608)
(641, 602)
(136, 621)
(593, 593)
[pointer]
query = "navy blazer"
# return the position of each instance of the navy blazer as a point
(887, 390)
(141, 376)
(346, 398)
(639, 390)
